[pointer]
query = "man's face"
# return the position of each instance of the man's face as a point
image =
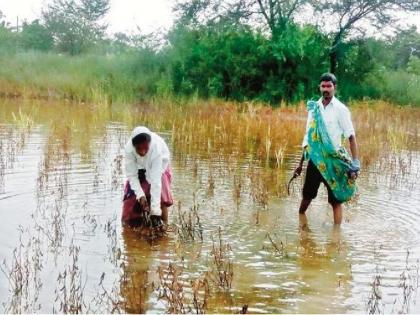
(327, 89)
(142, 148)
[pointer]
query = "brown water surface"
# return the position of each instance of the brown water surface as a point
(61, 184)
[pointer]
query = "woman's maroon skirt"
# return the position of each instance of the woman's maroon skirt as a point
(132, 213)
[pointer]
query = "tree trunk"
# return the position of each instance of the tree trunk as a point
(333, 61)
(334, 51)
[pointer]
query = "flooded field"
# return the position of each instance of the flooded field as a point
(237, 242)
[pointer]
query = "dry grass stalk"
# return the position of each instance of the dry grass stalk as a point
(69, 294)
(183, 295)
(114, 251)
(188, 225)
(237, 188)
(221, 267)
(374, 305)
(409, 283)
(171, 289)
(279, 249)
(24, 276)
(116, 182)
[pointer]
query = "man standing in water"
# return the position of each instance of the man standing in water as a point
(328, 121)
(147, 166)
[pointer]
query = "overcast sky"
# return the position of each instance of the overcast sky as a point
(126, 15)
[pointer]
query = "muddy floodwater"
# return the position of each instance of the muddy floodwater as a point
(236, 237)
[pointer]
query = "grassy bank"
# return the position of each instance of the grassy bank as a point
(137, 76)
(95, 78)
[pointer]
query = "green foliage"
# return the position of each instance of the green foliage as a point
(218, 62)
(240, 64)
(35, 36)
(75, 24)
(216, 59)
(405, 45)
(8, 39)
(413, 65)
(401, 87)
(353, 70)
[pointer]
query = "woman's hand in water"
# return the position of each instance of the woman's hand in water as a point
(143, 203)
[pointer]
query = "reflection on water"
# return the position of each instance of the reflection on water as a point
(60, 199)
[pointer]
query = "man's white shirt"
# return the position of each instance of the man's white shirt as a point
(337, 119)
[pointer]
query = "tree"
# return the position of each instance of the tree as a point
(8, 38)
(273, 15)
(75, 24)
(232, 62)
(278, 13)
(36, 36)
(350, 12)
(2, 22)
(405, 45)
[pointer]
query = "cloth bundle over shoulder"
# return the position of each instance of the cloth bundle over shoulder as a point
(335, 165)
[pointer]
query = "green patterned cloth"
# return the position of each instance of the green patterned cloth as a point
(333, 164)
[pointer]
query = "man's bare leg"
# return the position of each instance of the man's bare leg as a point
(338, 213)
(303, 222)
(304, 204)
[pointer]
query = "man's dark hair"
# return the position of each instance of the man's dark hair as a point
(141, 138)
(329, 77)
